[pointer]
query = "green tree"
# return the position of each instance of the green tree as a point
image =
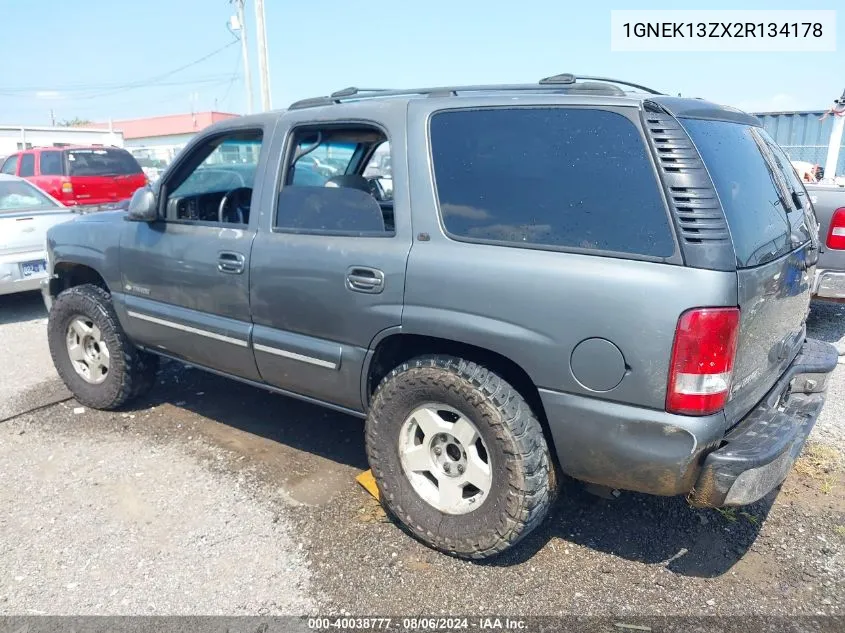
(74, 122)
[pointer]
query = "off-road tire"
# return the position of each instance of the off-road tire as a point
(523, 474)
(131, 371)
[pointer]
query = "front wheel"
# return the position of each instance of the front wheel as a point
(458, 455)
(92, 354)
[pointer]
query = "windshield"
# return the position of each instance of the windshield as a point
(17, 195)
(101, 162)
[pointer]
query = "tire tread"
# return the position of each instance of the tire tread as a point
(530, 482)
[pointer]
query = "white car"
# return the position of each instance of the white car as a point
(26, 213)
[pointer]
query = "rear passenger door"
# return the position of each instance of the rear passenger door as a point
(328, 266)
(26, 168)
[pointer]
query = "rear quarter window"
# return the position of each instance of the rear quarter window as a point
(51, 164)
(756, 217)
(558, 177)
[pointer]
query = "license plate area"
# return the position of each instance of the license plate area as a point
(33, 268)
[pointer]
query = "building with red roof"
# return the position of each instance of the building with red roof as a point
(156, 140)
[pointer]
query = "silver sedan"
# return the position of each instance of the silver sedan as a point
(26, 213)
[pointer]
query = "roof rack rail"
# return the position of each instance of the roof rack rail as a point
(551, 84)
(567, 78)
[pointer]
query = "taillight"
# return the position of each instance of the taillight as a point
(836, 235)
(702, 361)
(67, 187)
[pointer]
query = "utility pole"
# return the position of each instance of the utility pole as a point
(241, 26)
(52, 118)
(263, 64)
(838, 113)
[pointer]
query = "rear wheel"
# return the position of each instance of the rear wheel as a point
(92, 354)
(458, 455)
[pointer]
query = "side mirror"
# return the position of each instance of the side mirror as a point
(142, 206)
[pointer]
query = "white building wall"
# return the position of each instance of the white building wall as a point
(14, 138)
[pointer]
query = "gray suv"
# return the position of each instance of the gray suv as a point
(578, 276)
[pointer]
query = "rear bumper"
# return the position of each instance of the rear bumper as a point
(656, 452)
(758, 453)
(829, 284)
(11, 278)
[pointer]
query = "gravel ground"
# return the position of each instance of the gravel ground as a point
(282, 473)
(827, 322)
(123, 526)
(23, 320)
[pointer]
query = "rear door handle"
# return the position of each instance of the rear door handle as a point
(230, 263)
(364, 279)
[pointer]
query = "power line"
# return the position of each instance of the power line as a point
(111, 89)
(232, 80)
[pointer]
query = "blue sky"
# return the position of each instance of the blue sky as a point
(79, 58)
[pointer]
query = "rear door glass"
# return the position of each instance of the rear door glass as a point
(754, 206)
(101, 162)
(27, 165)
(51, 163)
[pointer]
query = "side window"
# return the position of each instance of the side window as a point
(326, 160)
(215, 185)
(548, 178)
(27, 165)
(10, 166)
(802, 222)
(379, 168)
(51, 163)
(327, 190)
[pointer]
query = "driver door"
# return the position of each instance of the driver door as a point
(185, 277)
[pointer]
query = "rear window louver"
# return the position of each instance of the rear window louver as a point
(695, 207)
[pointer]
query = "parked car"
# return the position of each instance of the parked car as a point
(89, 178)
(25, 215)
(497, 316)
(829, 204)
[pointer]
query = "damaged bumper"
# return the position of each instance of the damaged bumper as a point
(758, 453)
(655, 452)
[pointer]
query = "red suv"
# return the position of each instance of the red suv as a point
(79, 176)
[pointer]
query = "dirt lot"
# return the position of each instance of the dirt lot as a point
(214, 497)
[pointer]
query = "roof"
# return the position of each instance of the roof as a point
(53, 148)
(170, 125)
(587, 90)
(791, 112)
(565, 83)
(57, 128)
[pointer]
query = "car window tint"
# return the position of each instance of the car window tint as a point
(51, 163)
(27, 165)
(101, 162)
(756, 216)
(550, 177)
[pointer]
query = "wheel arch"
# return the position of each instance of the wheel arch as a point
(69, 274)
(392, 347)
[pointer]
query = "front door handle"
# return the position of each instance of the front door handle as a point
(230, 263)
(364, 279)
